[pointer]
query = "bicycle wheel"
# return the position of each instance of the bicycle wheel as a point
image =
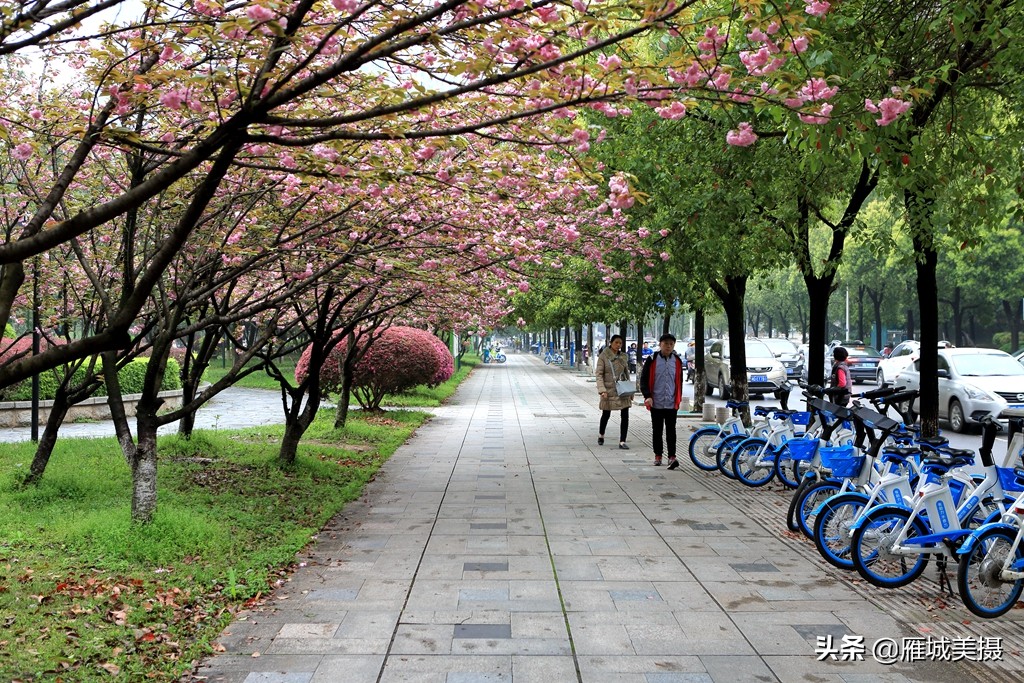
(832, 528)
(704, 446)
(500, 358)
(726, 453)
(871, 548)
(813, 496)
(754, 462)
(547, 360)
(977, 577)
(784, 469)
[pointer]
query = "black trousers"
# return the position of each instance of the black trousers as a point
(623, 422)
(664, 417)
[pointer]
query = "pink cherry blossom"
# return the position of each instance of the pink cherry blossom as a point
(890, 108)
(817, 89)
(22, 152)
(800, 44)
(524, 287)
(757, 36)
(172, 99)
(817, 8)
(259, 13)
(425, 153)
(743, 136)
(676, 110)
(820, 116)
(349, 6)
(609, 62)
(665, 256)
(548, 14)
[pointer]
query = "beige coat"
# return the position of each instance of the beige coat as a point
(612, 366)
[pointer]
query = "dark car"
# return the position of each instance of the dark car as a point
(863, 362)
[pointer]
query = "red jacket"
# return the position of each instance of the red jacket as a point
(647, 377)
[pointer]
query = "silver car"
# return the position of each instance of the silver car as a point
(764, 371)
(973, 383)
(788, 354)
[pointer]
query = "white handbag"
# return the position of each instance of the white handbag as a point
(625, 388)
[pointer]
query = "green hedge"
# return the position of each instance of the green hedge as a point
(132, 377)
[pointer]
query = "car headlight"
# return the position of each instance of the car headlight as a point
(977, 394)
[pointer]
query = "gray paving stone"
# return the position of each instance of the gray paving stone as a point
(661, 576)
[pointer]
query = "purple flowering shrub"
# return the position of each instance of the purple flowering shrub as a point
(400, 359)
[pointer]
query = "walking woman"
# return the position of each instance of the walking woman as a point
(612, 366)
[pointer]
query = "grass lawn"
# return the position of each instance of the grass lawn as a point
(87, 596)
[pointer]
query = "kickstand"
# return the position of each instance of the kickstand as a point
(944, 577)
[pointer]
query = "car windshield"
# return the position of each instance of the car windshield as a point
(984, 364)
(780, 345)
(757, 349)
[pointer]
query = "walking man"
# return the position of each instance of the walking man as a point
(661, 383)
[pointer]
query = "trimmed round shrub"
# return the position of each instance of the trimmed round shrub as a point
(400, 359)
(445, 362)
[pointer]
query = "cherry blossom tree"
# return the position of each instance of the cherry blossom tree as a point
(188, 91)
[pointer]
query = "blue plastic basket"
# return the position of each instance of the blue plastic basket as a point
(801, 449)
(842, 460)
(800, 418)
(1009, 481)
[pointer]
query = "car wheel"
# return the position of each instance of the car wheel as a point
(880, 378)
(957, 421)
(723, 388)
(708, 389)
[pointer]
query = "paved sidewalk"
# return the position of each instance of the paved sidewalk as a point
(502, 544)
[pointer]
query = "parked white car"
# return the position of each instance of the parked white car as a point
(788, 354)
(764, 371)
(973, 383)
(902, 355)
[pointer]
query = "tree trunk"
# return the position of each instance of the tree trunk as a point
(876, 307)
(819, 290)
(665, 322)
(44, 449)
(1011, 309)
(143, 466)
(731, 296)
(927, 285)
(293, 431)
(911, 325)
(189, 391)
(699, 377)
(860, 312)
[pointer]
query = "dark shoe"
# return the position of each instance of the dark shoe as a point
(673, 463)
(657, 461)
(623, 446)
(600, 441)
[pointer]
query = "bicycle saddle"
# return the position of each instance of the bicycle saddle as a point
(736, 404)
(902, 451)
(933, 441)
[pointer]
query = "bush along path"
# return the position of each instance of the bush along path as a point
(85, 594)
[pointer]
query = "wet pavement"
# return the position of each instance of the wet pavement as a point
(233, 408)
(501, 543)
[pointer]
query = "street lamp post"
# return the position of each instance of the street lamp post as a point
(35, 348)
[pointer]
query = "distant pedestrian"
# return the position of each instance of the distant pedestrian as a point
(661, 383)
(839, 383)
(612, 367)
(631, 357)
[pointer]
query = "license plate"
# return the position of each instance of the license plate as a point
(1015, 406)
(790, 371)
(759, 378)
